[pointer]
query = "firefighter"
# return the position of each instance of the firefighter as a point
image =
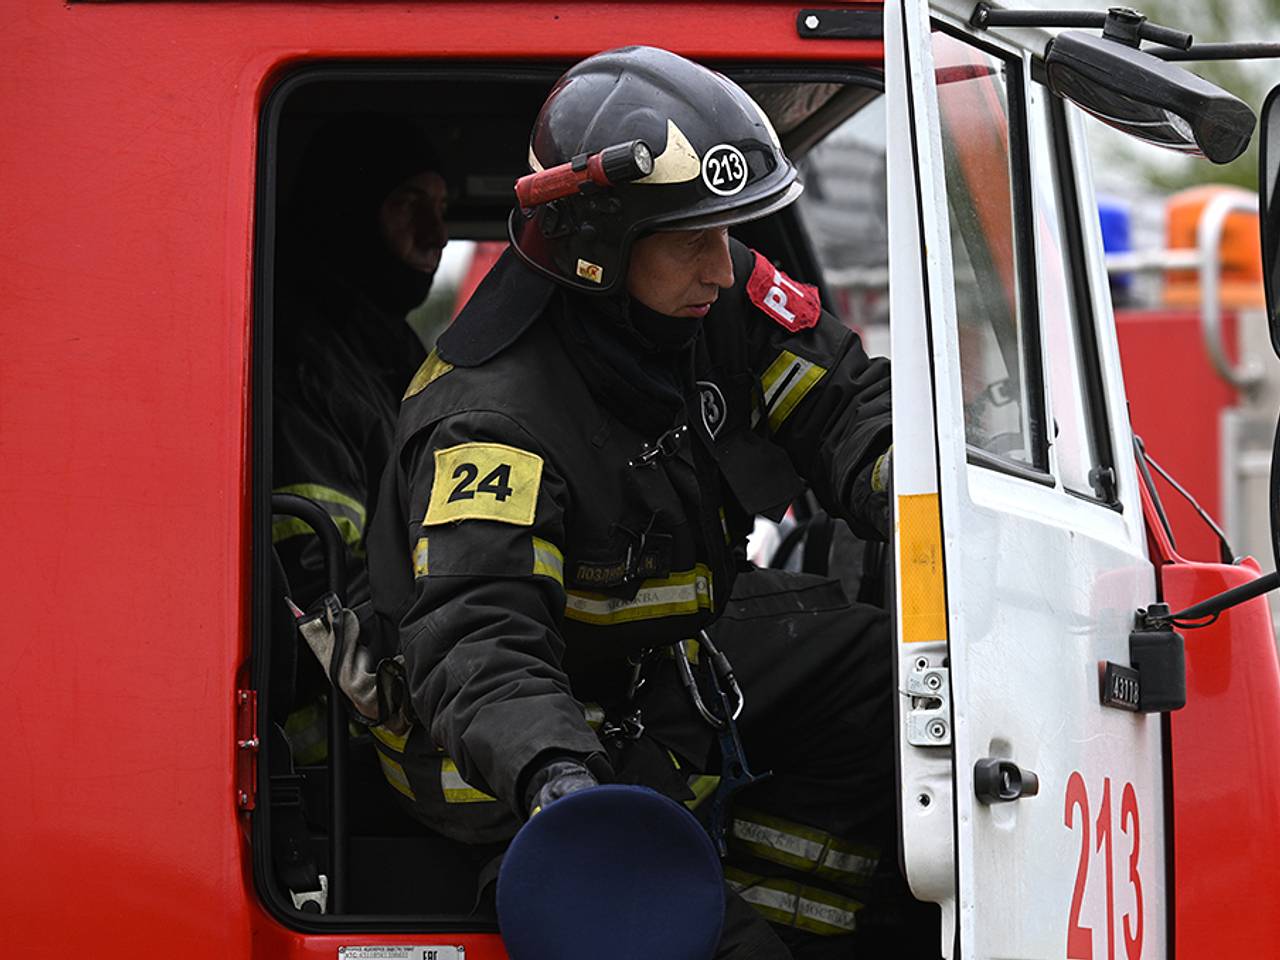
(359, 245)
(577, 466)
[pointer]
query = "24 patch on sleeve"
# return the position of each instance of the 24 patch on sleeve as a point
(484, 481)
(795, 306)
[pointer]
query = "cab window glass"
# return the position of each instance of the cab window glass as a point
(1071, 368)
(844, 211)
(984, 159)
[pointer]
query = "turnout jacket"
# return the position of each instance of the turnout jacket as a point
(531, 535)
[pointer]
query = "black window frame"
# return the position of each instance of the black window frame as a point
(1068, 195)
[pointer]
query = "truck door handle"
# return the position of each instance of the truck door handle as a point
(1002, 781)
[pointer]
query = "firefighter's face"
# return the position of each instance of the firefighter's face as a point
(680, 273)
(412, 221)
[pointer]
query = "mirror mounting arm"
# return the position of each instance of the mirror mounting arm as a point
(1219, 51)
(1119, 23)
(1206, 611)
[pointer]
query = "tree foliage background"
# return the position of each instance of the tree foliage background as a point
(1125, 166)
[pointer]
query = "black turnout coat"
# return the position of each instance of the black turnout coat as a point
(532, 535)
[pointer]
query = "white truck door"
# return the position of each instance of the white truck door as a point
(1020, 552)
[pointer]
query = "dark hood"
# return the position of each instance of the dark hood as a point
(330, 227)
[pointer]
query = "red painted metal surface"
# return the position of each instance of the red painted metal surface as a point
(126, 238)
(1176, 400)
(1226, 782)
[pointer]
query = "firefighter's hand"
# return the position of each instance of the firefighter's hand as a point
(555, 781)
(881, 483)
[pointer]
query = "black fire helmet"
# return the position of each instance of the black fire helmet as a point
(716, 162)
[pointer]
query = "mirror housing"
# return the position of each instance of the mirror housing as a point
(1148, 98)
(1269, 209)
(1269, 223)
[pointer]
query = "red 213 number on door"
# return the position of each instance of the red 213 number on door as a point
(1080, 938)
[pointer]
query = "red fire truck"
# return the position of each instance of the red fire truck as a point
(1056, 799)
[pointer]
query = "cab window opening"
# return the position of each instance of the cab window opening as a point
(477, 123)
(985, 156)
(1098, 480)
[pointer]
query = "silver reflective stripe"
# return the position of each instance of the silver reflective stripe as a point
(785, 383)
(548, 561)
(457, 790)
(785, 902)
(850, 863)
(753, 832)
(786, 378)
(680, 594)
(827, 913)
(395, 775)
(802, 847)
(764, 897)
(347, 512)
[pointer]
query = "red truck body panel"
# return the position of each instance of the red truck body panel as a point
(127, 236)
(1176, 401)
(126, 231)
(1225, 779)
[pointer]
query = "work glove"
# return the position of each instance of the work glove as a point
(882, 472)
(557, 780)
(872, 494)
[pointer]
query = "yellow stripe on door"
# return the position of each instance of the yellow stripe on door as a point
(923, 595)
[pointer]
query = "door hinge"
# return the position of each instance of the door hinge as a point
(246, 749)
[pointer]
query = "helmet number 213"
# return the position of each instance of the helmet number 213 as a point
(724, 170)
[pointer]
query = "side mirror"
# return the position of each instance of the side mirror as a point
(1269, 221)
(1148, 98)
(1269, 210)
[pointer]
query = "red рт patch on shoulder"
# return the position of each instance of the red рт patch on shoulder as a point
(794, 305)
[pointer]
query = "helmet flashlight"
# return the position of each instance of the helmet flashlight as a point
(620, 163)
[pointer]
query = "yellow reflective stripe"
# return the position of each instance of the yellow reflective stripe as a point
(593, 713)
(923, 595)
(803, 848)
(548, 561)
(702, 786)
(395, 741)
(679, 594)
(689, 648)
(395, 775)
(432, 369)
(287, 527)
(794, 904)
(457, 790)
(420, 558)
(307, 731)
(327, 495)
(785, 383)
